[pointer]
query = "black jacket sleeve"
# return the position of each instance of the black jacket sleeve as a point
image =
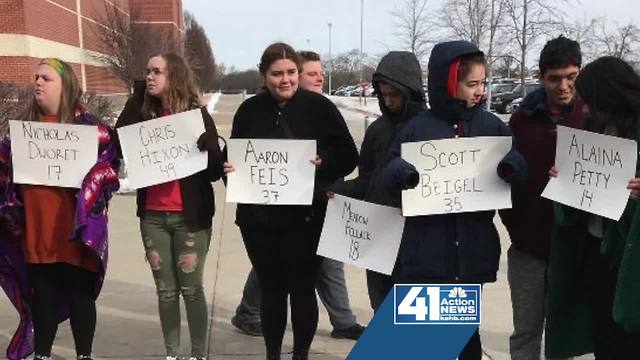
(357, 187)
(336, 147)
(215, 158)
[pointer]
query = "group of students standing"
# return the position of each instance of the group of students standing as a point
(575, 275)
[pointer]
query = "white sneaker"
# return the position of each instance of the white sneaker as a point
(172, 358)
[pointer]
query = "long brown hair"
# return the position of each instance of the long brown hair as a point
(70, 97)
(182, 91)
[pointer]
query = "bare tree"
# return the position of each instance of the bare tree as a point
(197, 51)
(413, 27)
(477, 21)
(620, 42)
(527, 20)
(583, 31)
(125, 44)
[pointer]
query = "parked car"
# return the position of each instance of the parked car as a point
(515, 104)
(503, 103)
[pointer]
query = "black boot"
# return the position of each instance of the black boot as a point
(300, 355)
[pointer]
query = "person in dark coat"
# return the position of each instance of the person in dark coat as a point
(281, 240)
(594, 262)
(397, 82)
(449, 248)
(530, 219)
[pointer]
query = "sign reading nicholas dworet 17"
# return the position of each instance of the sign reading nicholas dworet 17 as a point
(52, 154)
(436, 304)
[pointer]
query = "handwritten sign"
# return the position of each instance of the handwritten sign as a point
(456, 175)
(163, 149)
(52, 154)
(271, 171)
(593, 172)
(362, 234)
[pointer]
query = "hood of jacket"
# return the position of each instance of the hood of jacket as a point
(442, 55)
(401, 70)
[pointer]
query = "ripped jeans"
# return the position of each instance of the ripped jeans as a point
(176, 257)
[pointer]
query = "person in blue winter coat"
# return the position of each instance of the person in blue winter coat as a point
(450, 248)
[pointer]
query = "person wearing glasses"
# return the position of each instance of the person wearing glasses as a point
(176, 217)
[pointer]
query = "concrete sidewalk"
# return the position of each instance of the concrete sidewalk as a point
(128, 324)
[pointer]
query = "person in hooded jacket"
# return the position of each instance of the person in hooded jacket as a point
(397, 82)
(449, 248)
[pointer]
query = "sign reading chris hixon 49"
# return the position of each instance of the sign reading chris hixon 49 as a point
(456, 175)
(593, 172)
(52, 154)
(271, 171)
(163, 149)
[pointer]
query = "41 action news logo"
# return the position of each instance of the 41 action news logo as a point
(433, 304)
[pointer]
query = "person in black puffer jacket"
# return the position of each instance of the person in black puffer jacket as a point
(398, 84)
(281, 240)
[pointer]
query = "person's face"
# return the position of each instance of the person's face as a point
(157, 80)
(471, 88)
(312, 77)
(559, 85)
(392, 97)
(281, 79)
(48, 89)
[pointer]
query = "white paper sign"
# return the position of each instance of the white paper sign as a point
(362, 234)
(456, 175)
(52, 154)
(163, 149)
(271, 171)
(593, 172)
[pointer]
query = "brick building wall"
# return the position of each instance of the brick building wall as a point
(35, 29)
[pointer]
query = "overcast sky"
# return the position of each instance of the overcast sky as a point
(239, 30)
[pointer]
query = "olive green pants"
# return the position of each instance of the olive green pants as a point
(177, 258)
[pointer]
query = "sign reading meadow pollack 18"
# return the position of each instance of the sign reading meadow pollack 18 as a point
(163, 149)
(593, 172)
(436, 304)
(52, 154)
(271, 171)
(360, 233)
(456, 175)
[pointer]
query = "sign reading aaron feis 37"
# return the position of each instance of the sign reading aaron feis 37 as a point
(456, 175)
(271, 171)
(593, 172)
(52, 154)
(163, 149)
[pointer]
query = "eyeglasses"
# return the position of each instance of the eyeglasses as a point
(155, 71)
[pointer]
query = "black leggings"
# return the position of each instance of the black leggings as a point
(286, 264)
(51, 283)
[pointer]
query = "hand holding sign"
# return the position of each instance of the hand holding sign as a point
(634, 186)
